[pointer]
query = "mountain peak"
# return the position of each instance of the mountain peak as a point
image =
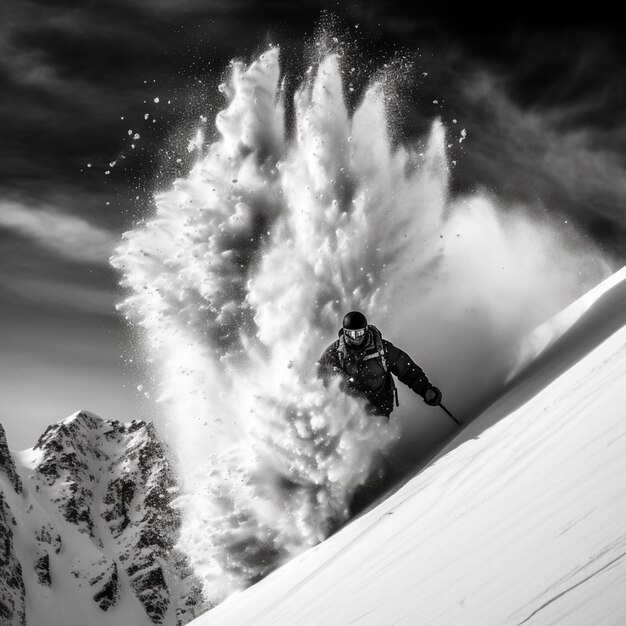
(97, 509)
(7, 464)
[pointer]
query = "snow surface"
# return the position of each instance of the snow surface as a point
(519, 520)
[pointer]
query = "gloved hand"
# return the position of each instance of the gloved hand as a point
(432, 396)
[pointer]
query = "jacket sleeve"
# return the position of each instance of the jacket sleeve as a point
(328, 365)
(407, 371)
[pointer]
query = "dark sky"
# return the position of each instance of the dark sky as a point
(542, 101)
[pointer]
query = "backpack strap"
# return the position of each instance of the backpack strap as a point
(341, 349)
(381, 351)
(384, 359)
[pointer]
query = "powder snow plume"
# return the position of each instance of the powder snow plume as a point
(241, 277)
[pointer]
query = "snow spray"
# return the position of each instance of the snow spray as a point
(242, 275)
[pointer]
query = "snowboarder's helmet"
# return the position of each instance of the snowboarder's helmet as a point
(354, 327)
(354, 321)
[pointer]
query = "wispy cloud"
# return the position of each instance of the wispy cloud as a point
(558, 155)
(68, 236)
(50, 292)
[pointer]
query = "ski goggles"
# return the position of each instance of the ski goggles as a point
(355, 335)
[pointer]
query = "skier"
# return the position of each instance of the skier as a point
(366, 362)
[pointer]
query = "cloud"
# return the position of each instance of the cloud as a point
(64, 294)
(68, 236)
(558, 156)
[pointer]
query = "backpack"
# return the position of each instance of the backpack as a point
(380, 354)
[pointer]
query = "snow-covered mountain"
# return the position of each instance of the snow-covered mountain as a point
(518, 520)
(86, 533)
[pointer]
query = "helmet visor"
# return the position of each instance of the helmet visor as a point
(355, 336)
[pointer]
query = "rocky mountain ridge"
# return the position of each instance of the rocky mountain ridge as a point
(87, 527)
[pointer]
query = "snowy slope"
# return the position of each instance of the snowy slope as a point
(552, 330)
(520, 520)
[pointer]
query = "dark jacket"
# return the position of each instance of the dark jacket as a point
(367, 377)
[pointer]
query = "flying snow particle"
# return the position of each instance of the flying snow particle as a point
(216, 301)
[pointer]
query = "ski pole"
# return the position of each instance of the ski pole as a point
(450, 414)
